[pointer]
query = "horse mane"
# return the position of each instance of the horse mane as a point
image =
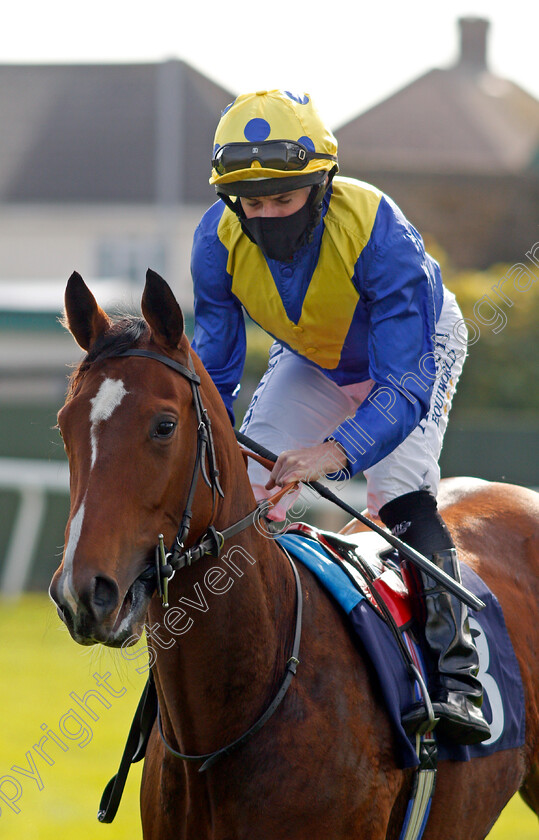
(124, 333)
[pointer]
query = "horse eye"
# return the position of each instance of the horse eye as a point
(164, 429)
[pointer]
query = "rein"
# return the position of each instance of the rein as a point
(290, 670)
(166, 564)
(426, 565)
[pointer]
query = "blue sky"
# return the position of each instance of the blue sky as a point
(347, 55)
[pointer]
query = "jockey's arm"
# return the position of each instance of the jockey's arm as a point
(397, 286)
(219, 337)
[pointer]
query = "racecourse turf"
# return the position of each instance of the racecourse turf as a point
(64, 754)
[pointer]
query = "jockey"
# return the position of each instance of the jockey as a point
(368, 348)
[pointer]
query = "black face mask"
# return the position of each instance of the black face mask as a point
(279, 237)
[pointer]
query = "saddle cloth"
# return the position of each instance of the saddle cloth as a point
(499, 673)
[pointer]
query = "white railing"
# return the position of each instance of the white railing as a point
(32, 479)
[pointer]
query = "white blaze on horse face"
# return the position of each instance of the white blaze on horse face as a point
(75, 529)
(108, 398)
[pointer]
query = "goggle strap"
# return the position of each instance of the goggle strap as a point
(321, 156)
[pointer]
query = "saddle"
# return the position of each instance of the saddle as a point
(371, 565)
(361, 572)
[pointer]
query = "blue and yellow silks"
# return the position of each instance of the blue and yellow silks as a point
(360, 301)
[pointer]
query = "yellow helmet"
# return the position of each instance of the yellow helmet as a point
(270, 142)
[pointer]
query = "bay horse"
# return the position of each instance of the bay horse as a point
(323, 767)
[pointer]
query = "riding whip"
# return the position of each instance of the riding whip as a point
(423, 563)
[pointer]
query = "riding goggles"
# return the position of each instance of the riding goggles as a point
(283, 155)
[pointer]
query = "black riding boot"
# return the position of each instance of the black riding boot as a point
(456, 692)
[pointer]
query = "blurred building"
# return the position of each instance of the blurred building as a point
(104, 169)
(458, 150)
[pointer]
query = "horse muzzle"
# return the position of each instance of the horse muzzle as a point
(97, 614)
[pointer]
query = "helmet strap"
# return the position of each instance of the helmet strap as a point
(315, 202)
(235, 206)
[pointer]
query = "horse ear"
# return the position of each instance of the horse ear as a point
(84, 319)
(162, 311)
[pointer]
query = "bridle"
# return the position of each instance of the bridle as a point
(167, 563)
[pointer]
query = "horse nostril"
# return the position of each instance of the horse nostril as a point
(105, 596)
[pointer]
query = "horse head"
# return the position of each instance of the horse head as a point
(130, 431)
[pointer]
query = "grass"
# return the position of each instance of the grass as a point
(43, 670)
(517, 822)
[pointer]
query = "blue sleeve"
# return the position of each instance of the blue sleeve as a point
(398, 283)
(219, 337)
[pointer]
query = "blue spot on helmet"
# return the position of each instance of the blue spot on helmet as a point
(257, 130)
(307, 142)
(228, 107)
(301, 100)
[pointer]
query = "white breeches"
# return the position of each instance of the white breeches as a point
(295, 405)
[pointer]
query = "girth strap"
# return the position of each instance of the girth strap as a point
(417, 812)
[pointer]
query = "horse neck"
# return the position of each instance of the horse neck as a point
(220, 647)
